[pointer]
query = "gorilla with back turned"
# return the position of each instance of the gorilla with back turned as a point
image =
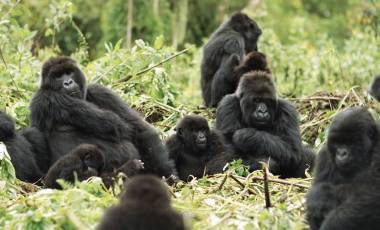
(344, 193)
(226, 47)
(71, 114)
(144, 204)
(263, 127)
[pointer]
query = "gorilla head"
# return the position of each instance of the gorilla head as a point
(349, 151)
(194, 131)
(62, 74)
(258, 100)
(146, 189)
(247, 27)
(7, 127)
(254, 61)
(374, 88)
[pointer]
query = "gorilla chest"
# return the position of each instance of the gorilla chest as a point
(191, 165)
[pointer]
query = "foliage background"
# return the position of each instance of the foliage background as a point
(322, 54)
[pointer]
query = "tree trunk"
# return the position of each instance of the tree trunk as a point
(129, 23)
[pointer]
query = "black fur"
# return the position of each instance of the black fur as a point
(87, 161)
(145, 204)
(344, 194)
(226, 47)
(374, 88)
(26, 155)
(70, 114)
(270, 134)
(230, 73)
(194, 158)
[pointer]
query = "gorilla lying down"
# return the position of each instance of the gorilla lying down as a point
(197, 150)
(70, 114)
(345, 191)
(84, 162)
(262, 127)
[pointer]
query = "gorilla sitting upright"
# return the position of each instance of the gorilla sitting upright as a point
(197, 150)
(71, 114)
(345, 190)
(226, 47)
(262, 127)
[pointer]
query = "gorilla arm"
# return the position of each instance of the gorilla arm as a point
(225, 79)
(153, 153)
(49, 108)
(282, 143)
(228, 116)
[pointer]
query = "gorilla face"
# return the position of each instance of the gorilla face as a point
(351, 139)
(258, 112)
(194, 131)
(63, 76)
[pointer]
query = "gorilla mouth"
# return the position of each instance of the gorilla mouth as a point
(201, 144)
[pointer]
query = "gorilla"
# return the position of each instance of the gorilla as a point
(344, 193)
(69, 113)
(230, 74)
(197, 150)
(26, 148)
(144, 204)
(226, 47)
(85, 161)
(263, 127)
(374, 89)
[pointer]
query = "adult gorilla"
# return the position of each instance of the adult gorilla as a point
(62, 110)
(344, 194)
(261, 126)
(229, 43)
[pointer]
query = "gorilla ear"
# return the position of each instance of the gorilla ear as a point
(179, 132)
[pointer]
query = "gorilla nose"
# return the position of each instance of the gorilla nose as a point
(341, 154)
(68, 83)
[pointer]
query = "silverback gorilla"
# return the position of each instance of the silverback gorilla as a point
(345, 190)
(144, 204)
(197, 150)
(227, 46)
(262, 127)
(71, 114)
(27, 149)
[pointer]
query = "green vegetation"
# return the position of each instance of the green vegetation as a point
(322, 54)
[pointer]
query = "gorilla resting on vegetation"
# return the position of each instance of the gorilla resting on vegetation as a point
(86, 161)
(145, 204)
(27, 149)
(226, 47)
(70, 114)
(262, 127)
(230, 74)
(197, 150)
(374, 88)
(345, 190)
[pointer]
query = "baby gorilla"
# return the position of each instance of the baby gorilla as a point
(197, 150)
(230, 74)
(342, 175)
(83, 162)
(145, 204)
